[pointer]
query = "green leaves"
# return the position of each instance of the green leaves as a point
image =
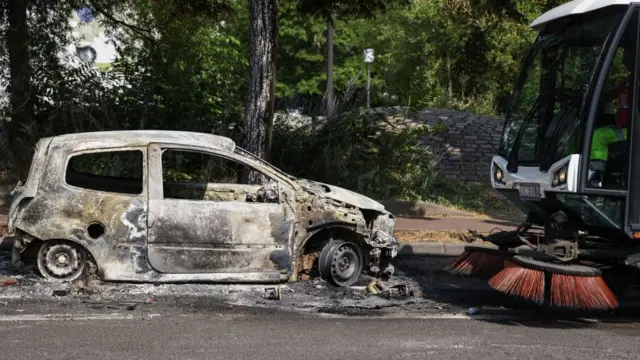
(461, 54)
(354, 151)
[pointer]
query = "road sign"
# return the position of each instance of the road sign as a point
(368, 56)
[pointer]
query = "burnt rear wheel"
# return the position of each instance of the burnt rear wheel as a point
(61, 261)
(340, 263)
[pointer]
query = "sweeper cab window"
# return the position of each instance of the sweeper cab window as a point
(606, 137)
(547, 117)
(608, 148)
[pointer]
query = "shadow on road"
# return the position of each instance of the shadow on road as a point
(427, 272)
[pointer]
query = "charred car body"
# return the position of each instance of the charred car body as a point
(166, 206)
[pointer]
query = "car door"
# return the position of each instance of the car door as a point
(202, 220)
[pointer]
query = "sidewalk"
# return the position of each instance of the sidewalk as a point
(453, 224)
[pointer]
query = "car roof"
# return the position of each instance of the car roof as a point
(577, 7)
(136, 138)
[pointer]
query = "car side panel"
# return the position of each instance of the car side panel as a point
(59, 211)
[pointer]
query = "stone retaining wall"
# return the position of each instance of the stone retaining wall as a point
(464, 142)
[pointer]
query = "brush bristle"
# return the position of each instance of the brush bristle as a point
(589, 293)
(521, 282)
(474, 263)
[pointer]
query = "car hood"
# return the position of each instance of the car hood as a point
(341, 194)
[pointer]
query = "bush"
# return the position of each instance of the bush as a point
(354, 151)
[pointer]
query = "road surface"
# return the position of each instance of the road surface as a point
(310, 321)
(261, 334)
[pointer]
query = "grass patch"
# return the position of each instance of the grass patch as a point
(422, 236)
(477, 198)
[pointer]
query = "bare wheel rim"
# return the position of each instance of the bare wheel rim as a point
(343, 264)
(61, 260)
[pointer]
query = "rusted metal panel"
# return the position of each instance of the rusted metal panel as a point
(183, 234)
(140, 138)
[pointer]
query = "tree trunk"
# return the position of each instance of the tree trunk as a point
(17, 40)
(259, 108)
(330, 99)
(272, 97)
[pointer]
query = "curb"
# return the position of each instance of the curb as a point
(433, 249)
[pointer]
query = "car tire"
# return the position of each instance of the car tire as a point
(341, 263)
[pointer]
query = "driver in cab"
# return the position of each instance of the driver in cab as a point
(604, 136)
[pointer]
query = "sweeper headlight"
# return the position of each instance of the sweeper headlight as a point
(498, 175)
(560, 176)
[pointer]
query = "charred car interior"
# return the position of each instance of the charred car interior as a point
(166, 206)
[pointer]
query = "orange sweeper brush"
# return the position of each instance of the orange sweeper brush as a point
(565, 286)
(478, 261)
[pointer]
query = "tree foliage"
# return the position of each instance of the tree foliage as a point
(327, 9)
(185, 64)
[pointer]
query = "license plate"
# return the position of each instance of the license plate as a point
(530, 191)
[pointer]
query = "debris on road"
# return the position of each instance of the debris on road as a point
(473, 311)
(272, 293)
(7, 281)
(377, 287)
(60, 292)
(374, 288)
(402, 290)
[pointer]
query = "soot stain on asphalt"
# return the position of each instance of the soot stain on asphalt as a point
(306, 296)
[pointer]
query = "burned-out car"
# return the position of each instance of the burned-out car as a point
(168, 206)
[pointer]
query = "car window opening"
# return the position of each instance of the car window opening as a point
(110, 171)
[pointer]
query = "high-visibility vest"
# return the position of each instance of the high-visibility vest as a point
(602, 138)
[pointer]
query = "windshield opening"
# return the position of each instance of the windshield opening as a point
(245, 153)
(545, 120)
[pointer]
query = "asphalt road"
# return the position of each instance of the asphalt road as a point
(268, 335)
(310, 321)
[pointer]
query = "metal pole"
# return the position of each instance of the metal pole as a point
(368, 85)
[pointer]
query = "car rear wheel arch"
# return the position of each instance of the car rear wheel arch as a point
(31, 250)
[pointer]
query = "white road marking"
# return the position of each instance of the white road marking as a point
(74, 317)
(419, 316)
(442, 316)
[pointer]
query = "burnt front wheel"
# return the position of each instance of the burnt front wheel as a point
(340, 263)
(61, 261)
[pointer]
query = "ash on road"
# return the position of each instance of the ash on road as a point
(434, 292)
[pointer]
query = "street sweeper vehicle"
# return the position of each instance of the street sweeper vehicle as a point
(570, 159)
